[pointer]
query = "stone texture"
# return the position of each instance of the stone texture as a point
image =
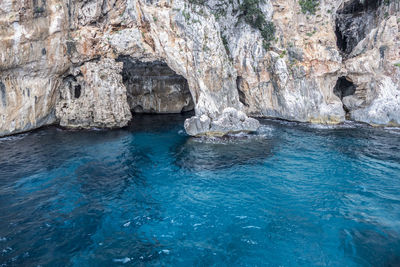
(26, 103)
(373, 69)
(230, 121)
(294, 80)
(152, 87)
(94, 96)
(190, 45)
(353, 21)
(32, 59)
(384, 110)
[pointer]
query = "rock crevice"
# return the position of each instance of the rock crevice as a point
(354, 21)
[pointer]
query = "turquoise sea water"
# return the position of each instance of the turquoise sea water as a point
(290, 195)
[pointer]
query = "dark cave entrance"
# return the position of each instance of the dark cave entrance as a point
(3, 95)
(154, 88)
(344, 88)
(75, 89)
(354, 21)
(240, 89)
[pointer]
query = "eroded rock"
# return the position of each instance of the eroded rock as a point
(354, 21)
(93, 95)
(152, 87)
(230, 121)
(224, 60)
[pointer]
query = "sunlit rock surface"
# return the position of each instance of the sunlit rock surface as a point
(220, 60)
(230, 121)
(93, 95)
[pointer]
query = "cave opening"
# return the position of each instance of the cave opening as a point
(154, 88)
(344, 88)
(77, 91)
(239, 87)
(354, 21)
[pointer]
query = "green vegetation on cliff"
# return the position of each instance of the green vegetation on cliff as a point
(252, 15)
(248, 11)
(309, 6)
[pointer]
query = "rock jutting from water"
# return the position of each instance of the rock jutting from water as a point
(84, 64)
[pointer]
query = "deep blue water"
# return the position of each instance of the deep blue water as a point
(290, 195)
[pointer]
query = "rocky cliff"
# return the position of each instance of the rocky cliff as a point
(92, 63)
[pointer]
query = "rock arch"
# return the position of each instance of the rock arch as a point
(196, 52)
(153, 87)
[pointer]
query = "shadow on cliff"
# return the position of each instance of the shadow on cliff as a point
(354, 21)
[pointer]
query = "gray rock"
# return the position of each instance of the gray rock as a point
(384, 109)
(352, 102)
(153, 87)
(210, 46)
(230, 121)
(94, 97)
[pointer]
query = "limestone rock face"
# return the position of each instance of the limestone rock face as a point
(26, 104)
(163, 31)
(294, 80)
(94, 96)
(384, 110)
(353, 21)
(32, 58)
(53, 54)
(375, 70)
